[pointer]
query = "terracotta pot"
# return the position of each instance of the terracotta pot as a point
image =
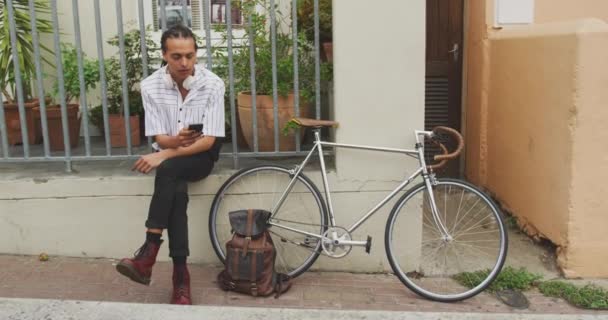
(118, 137)
(13, 123)
(265, 120)
(53, 114)
(328, 48)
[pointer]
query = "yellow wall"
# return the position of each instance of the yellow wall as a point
(534, 96)
(561, 10)
(474, 90)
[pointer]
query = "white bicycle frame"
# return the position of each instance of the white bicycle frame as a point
(318, 147)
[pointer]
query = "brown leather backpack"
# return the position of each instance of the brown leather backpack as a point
(250, 257)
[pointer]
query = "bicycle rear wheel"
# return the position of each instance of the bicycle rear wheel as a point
(261, 187)
(433, 266)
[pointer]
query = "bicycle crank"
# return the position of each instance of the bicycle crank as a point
(337, 242)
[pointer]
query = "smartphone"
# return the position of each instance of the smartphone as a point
(198, 127)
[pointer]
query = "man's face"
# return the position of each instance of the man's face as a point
(180, 57)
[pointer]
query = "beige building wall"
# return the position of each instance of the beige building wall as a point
(378, 84)
(534, 96)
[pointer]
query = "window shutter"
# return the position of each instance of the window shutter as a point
(196, 15)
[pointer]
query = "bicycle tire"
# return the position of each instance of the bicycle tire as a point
(415, 266)
(304, 208)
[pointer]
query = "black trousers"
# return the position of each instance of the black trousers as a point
(170, 200)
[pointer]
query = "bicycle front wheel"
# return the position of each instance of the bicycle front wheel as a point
(446, 268)
(261, 187)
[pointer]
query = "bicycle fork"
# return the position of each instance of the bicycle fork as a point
(429, 181)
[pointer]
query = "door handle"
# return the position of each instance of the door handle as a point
(455, 52)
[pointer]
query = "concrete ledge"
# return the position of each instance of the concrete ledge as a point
(100, 210)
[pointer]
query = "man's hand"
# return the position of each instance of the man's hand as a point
(187, 137)
(149, 162)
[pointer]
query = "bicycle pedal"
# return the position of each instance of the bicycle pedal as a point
(368, 245)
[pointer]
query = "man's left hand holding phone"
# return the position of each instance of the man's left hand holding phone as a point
(187, 136)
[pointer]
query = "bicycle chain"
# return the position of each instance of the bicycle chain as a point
(321, 252)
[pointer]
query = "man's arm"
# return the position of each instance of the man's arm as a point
(150, 161)
(183, 139)
(200, 145)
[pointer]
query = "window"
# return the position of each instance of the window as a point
(174, 13)
(218, 13)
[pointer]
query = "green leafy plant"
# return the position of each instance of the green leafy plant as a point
(508, 278)
(588, 297)
(69, 58)
(306, 22)
(25, 47)
(134, 75)
(260, 29)
(289, 126)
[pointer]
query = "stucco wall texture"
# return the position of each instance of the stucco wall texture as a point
(536, 98)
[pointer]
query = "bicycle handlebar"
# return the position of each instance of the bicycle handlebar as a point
(445, 156)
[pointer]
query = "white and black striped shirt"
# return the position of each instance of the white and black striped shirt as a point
(167, 113)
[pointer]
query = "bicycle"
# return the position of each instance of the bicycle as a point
(458, 231)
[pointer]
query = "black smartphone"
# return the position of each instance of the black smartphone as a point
(198, 127)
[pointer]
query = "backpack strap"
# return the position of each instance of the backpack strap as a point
(254, 288)
(248, 231)
(254, 258)
(249, 228)
(278, 287)
(235, 265)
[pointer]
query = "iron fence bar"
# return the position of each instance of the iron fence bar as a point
(317, 62)
(296, 72)
(102, 79)
(83, 93)
(123, 72)
(207, 16)
(144, 49)
(163, 15)
(275, 98)
(254, 114)
(5, 151)
(18, 79)
(39, 75)
(61, 85)
(235, 147)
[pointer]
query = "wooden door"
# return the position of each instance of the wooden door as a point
(444, 23)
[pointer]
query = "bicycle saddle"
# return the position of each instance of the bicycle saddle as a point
(314, 123)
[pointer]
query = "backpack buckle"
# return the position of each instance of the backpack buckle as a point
(254, 289)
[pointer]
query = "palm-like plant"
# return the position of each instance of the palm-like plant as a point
(25, 47)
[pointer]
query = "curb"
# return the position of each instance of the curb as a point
(34, 309)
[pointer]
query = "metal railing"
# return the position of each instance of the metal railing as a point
(22, 153)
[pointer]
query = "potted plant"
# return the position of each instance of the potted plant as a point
(71, 79)
(306, 24)
(27, 65)
(260, 29)
(134, 73)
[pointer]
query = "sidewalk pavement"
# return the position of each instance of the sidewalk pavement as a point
(345, 294)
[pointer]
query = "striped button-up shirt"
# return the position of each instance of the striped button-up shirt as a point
(166, 112)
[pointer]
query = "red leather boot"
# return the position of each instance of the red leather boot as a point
(181, 286)
(139, 269)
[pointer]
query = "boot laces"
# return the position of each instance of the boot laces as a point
(142, 251)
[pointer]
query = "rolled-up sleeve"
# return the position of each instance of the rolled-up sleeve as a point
(214, 115)
(154, 122)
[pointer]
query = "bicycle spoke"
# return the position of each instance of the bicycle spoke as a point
(261, 188)
(476, 240)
